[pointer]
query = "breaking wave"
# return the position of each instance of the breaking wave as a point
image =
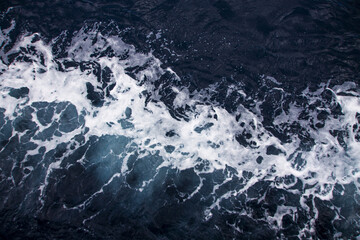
(95, 133)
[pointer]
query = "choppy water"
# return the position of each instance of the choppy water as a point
(180, 120)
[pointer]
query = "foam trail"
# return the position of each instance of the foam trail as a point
(97, 97)
(200, 137)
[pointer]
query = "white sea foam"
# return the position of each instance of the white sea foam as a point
(200, 136)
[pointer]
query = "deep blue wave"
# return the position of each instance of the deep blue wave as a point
(180, 119)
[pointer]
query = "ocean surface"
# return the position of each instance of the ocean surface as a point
(179, 119)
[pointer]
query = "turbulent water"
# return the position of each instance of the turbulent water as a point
(180, 120)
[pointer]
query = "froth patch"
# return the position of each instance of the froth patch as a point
(131, 108)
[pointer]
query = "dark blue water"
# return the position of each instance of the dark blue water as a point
(180, 119)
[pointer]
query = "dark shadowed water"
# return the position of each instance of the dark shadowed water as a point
(176, 119)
